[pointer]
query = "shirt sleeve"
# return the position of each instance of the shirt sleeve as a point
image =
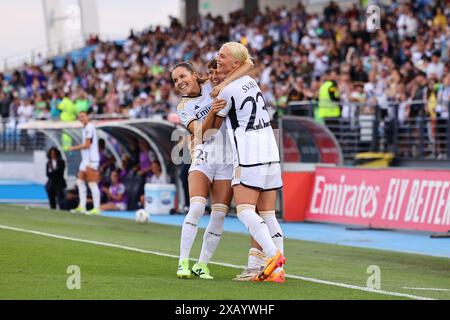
(186, 116)
(225, 94)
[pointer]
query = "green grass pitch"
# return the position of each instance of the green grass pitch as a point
(35, 266)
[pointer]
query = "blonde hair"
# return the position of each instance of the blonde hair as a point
(238, 51)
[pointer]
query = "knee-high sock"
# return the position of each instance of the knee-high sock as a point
(82, 193)
(190, 226)
(274, 228)
(256, 258)
(95, 191)
(213, 232)
(257, 228)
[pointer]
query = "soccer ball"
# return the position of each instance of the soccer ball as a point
(141, 216)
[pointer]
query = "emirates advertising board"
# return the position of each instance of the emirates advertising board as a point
(382, 198)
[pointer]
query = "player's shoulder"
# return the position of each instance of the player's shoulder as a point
(207, 87)
(183, 103)
(237, 84)
(89, 126)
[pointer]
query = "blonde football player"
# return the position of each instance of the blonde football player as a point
(257, 173)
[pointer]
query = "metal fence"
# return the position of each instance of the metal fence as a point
(406, 130)
(12, 139)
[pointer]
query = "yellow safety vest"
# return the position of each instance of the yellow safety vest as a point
(327, 108)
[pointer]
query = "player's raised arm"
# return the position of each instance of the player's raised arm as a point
(86, 145)
(243, 70)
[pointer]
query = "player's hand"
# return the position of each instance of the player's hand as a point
(217, 105)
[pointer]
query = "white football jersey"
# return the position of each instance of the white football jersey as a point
(217, 149)
(92, 154)
(248, 123)
(195, 108)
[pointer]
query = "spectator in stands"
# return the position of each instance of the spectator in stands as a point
(112, 100)
(4, 105)
(328, 107)
(67, 107)
(116, 194)
(439, 20)
(56, 184)
(41, 110)
(435, 67)
(81, 101)
(283, 42)
(25, 111)
(157, 175)
(54, 102)
(406, 23)
(418, 96)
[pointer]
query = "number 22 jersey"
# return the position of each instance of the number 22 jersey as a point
(248, 120)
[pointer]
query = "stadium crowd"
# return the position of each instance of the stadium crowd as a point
(406, 64)
(407, 59)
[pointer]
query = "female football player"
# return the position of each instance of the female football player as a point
(256, 161)
(210, 167)
(265, 208)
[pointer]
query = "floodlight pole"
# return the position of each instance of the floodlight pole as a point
(47, 27)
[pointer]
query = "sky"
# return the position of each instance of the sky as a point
(23, 29)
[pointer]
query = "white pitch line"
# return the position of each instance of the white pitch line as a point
(427, 289)
(112, 245)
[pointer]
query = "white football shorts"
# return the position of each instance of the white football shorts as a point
(263, 177)
(214, 171)
(85, 164)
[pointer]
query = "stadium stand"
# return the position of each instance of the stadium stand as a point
(391, 88)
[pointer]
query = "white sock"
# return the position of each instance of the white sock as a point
(82, 193)
(213, 232)
(274, 228)
(256, 258)
(190, 226)
(257, 228)
(95, 191)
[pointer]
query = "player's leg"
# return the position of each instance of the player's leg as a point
(247, 183)
(255, 263)
(82, 190)
(266, 206)
(266, 209)
(93, 178)
(199, 184)
(246, 199)
(221, 194)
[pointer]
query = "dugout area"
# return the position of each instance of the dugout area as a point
(304, 144)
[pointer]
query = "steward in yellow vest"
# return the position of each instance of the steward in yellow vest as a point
(328, 106)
